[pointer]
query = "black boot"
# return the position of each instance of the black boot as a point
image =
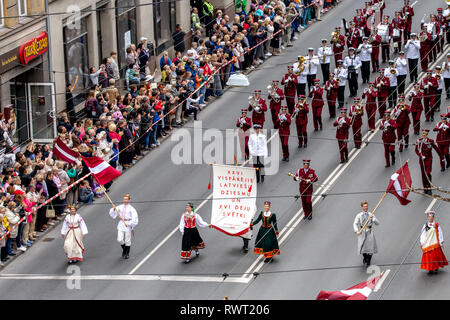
(262, 178)
(123, 250)
(245, 247)
(127, 252)
(369, 257)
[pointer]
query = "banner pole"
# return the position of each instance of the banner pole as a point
(371, 214)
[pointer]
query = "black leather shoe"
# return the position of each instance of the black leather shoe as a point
(310, 217)
(305, 145)
(262, 178)
(387, 166)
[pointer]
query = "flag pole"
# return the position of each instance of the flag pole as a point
(371, 214)
(114, 206)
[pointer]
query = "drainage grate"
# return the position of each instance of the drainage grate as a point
(48, 239)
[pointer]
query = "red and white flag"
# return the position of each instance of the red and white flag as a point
(63, 152)
(359, 292)
(101, 170)
(400, 183)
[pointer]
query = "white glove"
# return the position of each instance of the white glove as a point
(257, 109)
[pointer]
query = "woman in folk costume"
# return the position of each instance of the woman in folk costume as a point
(431, 240)
(73, 230)
(367, 244)
(266, 241)
(191, 238)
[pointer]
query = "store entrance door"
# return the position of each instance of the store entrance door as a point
(41, 110)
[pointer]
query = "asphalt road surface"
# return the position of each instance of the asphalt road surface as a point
(315, 255)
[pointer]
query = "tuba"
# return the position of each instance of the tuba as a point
(252, 101)
(273, 93)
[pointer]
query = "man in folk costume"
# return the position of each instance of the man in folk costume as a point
(386, 39)
(401, 117)
(356, 113)
(375, 41)
(257, 145)
(301, 121)
(283, 125)
(424, 148)
(412, 48)
(440, 19)
(301, 72)
(388, 126)
(431, 241)
(443, 140)
(429, 85)
(426, 41)
(276, 97)
(397, 26)
(73, 231)
(408, 13)
(191, 239)
(343, 124)
(289, 82)
(128, 221)
(317, 104)
(307, 177)
(382, 84)
(331, 87)
(244, 123)
(367, 244)
(341, 78)
(416, 97)
(266, 242)
(325, 52)
(259, 107)
(338, 41)
(370, 94)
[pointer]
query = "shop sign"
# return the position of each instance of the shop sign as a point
(34, 48)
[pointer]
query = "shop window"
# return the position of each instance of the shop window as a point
(22, 7)
(126, 29)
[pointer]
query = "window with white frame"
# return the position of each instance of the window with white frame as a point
(22, 7)
(2, 14)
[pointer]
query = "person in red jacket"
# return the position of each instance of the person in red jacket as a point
(443, 140)
(301, 120)
(317, 104)
(283, 125)
(331, 87)
(370, 94)
(408, 13)
(383, 6)
(375, 40)
(388, 126)
(353, 34)
(244, 123)
(343, 125)
(401, 117)
(356, 113)
(386, 40)
(338, 41)
(426, 40)
(416, 96)
(259, 107)
(442, 22)
(307, 177)
(429, 86)
(424, 148)
(290, 82)
(275, 100)
(382, 83)
(397, 26)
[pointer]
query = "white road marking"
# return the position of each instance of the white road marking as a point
(380, 282)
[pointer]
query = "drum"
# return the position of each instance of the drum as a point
(396, 33)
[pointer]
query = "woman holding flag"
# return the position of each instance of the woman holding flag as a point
(266, 241)
(431, 240)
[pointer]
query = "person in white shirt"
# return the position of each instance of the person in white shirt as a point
(352, 63)
(446, 14)
(446, 74)
(301, 76)
(257, 146)
(341, 77)
(325, 52)
(128, 221)
(392, 74)
(365, 52)
(311, 64)
(412, 48)
(402, 69)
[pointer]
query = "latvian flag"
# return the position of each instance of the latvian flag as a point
(359, 292)
(63, 152)
(400, 183)
(101, 170)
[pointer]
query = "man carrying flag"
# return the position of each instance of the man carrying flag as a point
(362, 225)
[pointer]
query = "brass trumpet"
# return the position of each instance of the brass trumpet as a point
(301, 65)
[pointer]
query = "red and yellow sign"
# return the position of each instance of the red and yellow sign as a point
(33, 48)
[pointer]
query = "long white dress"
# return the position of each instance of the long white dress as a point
(73, 229)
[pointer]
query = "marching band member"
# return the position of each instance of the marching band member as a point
(446, 75)
(301, 72)
(383, 6)
(312, 62)
(258, 105)
(244, 123)
(375, 41)
(431, 241)
(283, 125)
(360, 23)
(443, 140)
(447, 18)
(408, 13)
(432, 27)
(352, 63)
(382, 84)
(391, 72)
(343, 124)
(266, 242)
(388, 126)
(385, 31)
(416, 97)
(442, 22)
(397, 26)
(290, 83)
(356, 113)
(402, 68)
(73, 231)
(367, 244)
(437, 98)
(353, 34)
(191, 239)
(332, 87)
(338, 41)
(365, 52)
(276, 96)
(341, 77)
(370, 94)
(426, 41)
(412, 48)
(324, 54)
(301, 121)
(429, 85)
(424, 148)
(317, 104)
(307, 177)
(257, 145)
(401, 117)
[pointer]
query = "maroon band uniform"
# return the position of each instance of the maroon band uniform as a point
(416, 97)
(258, 116)
(275, 102)
(371, 94)
(424, 147)
(408, 13)
(331, 87)
(443, 140)
(343, 125)
(338, 45)
(244, 123)
(356, 113)
(301, 121)
(283, 125)
(306, 188)
(317, 104)
(388, 126)
(401, 116)
(290, 86)
(382, 84)
(429, 86)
